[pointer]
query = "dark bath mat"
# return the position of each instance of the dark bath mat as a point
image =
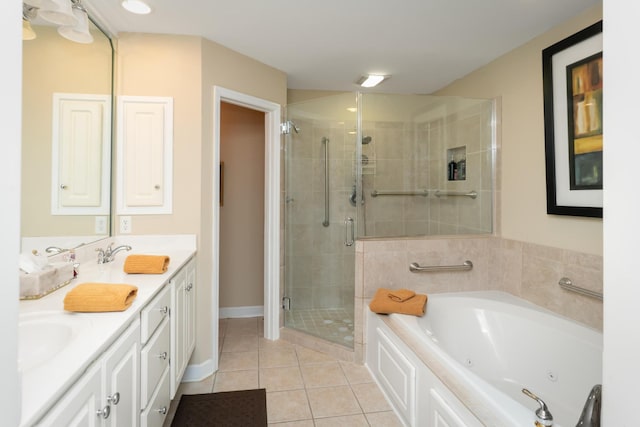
(246, 408)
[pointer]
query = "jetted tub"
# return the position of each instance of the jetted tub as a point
(467, 360)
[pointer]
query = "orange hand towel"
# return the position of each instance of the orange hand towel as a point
(146, 264)
(99, 297)
(382, 304)
(400, 295)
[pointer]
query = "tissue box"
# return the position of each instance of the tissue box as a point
(40, 283)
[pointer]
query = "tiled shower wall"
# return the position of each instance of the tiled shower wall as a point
(412, 155)
(526, 270)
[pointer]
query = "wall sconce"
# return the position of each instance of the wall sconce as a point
(70, 15)
(28, 13)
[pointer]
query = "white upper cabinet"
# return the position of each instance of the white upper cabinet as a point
(145, 155)
(81, 154)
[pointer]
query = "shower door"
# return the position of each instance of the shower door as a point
(320, 219)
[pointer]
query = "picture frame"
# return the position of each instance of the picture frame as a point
(572, 86)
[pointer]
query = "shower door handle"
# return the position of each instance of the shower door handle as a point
(349, 232)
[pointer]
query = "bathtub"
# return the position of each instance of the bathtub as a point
(467, 360)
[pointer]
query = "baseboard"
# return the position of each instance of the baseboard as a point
(234, 312)
(197, 373)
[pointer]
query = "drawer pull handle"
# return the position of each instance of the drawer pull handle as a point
(163, 355)
(104, 412)
(164, 310)
(162, 410)
(189, 287)
(114, 398)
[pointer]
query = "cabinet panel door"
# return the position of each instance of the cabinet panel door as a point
(122, 379)
(145, 134)
(80, 154)
(79, 406)
(190, 311)
(177, 330)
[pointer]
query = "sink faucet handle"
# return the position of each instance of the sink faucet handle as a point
(542, 413)
(100, 255)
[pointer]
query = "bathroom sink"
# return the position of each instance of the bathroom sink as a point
(42, 336)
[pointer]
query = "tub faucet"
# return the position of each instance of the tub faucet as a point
(591, 412)
(107, 255)
(543, 416)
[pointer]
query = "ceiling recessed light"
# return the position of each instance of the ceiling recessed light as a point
(136, 6)
(371, 80)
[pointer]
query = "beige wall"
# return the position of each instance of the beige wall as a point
(187, 68)
(516, 78)
(242, 213)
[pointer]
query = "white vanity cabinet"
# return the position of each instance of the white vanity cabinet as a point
(183, 321)
(155, 336)
(107, 393)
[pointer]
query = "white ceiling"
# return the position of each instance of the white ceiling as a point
(328, 44)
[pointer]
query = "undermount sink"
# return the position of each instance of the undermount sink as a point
(42, 336)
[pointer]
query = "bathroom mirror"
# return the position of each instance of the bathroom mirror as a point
(58, 76)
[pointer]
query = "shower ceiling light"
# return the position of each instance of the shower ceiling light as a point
(371, 80)
(138, 7)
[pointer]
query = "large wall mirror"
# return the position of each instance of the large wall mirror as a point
(66, 138)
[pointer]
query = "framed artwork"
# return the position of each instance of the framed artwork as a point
(572, 83)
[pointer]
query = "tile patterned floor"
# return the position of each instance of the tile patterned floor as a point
(305, 388)
(331, 324)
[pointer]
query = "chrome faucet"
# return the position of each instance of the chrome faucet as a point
(591, 412)
(107, 255)
(543, 416)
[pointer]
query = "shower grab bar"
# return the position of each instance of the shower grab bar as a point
(472, 194)
(423, 193)
(465, 266)
(325, 141)
(566, 284)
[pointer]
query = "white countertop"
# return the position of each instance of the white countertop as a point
(42, 385)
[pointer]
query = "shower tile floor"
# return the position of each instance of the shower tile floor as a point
(331, 324)
(305, 388)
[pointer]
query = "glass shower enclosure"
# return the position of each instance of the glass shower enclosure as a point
(363, 166)
(320, 221)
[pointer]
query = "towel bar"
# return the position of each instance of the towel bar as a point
(415, 267)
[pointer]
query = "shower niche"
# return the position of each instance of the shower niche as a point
(457, 165)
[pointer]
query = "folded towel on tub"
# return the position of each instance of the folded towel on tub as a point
(146, 264)
(382, 303)
(100, 297)
(401, 295)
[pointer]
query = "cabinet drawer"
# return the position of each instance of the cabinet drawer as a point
(156, 412)
(154, 313)
(154, 359)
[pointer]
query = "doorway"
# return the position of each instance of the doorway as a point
(241, 211)
(271, 228)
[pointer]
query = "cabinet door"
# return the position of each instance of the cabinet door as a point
(121, 368)
(81, 154)
(145, 141)
(177, 330)
(190, 311)
(80, 405)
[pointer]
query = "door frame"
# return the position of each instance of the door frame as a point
(271, 211)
